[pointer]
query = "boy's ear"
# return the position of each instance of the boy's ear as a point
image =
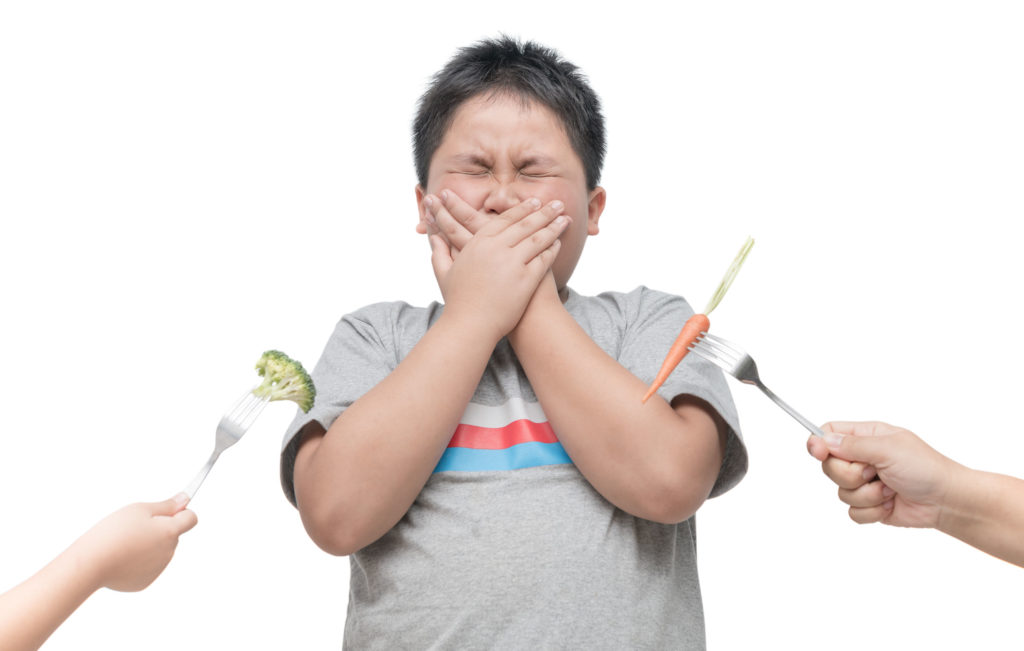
(421, 227)
(595, 206)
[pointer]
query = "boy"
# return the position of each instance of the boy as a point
(488, 464)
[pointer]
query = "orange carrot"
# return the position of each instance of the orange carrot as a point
(691, 331)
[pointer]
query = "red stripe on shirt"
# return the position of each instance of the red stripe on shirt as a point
(500, 438)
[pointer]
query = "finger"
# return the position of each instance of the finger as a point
(520, 211)
(871, 514)
(817, 448)
(542, 240)
(462, 212)
(183, 521)
(873, 493)
(542, 261)
(845, 474)
(440, 255)
(533, 223)
(454, 233)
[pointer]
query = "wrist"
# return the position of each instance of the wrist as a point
(467, 326)
(80, 570)
(543, 306)
(960, 499)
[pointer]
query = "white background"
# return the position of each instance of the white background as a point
(183, 185)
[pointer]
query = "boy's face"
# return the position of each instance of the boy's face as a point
(500, 151)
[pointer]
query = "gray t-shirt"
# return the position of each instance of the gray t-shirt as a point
(508, 545)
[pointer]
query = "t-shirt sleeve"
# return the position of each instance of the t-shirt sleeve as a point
(357, 357)
(654, 320)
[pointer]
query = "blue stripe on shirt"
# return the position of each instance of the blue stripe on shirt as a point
(524, 455)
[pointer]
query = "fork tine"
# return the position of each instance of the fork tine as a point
(725, 344)
(254, 412)
(244, 406)
(240, 403)
(727, 355)
(247, 409)
(711, 357)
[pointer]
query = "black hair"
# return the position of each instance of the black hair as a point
(525, 70)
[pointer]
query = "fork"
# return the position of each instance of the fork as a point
(736, 362)
(230, 429)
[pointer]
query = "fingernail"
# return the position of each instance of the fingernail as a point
(444, 195)
(888, 505)
(428, 202)
(181, 499)
(560, 220)
(833, 440)
(868, 472)
(557, 205)
(534, 203)
(887, 492)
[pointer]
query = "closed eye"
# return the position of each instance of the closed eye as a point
(535, 174)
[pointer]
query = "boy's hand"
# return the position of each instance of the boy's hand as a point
(913, 477)
(455, 220)
(129, 548)
(499, 266)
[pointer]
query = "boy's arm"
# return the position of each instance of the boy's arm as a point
(356, 481)
(653, 460)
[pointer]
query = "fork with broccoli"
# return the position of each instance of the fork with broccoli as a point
(283, 379)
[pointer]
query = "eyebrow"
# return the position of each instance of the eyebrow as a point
(471, 159)
(537, 160)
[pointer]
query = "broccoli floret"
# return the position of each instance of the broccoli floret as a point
(284, 379)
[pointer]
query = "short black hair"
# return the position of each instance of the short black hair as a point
(522, 69)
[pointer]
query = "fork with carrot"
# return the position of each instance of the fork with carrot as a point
(697, 325)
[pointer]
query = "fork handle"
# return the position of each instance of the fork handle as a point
(197, 481)
(814, 429)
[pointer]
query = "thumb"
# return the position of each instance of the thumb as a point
(872, 450)
(169, 506)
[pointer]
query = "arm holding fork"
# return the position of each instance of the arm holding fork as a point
(125, 551)
(918, 487)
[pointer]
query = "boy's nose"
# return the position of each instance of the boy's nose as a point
(501, 197)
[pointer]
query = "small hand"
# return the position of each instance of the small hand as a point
(129, 548)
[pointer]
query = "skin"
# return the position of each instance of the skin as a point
(502, 177)
(888, 474)
(125, 551)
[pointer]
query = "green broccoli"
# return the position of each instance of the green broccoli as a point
(284, 379)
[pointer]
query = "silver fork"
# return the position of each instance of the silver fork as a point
(230, 429)
(736, 362)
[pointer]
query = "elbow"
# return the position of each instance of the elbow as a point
(672, 504)
(332, 543)
(675, 493)
(332, 532)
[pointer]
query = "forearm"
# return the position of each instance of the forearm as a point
(32, 611)
(986, 510)
(359, 479)
(647, 459)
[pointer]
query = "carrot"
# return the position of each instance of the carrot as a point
(698, 323)
(692, 329)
